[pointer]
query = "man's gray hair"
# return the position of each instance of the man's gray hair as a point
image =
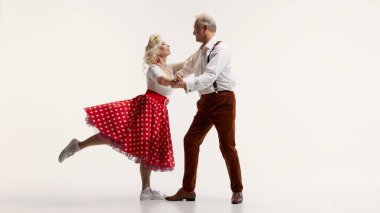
(205, 19)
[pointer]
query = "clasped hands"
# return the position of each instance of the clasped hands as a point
(177, 82)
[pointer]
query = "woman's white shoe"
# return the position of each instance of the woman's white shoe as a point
(69, 150)
(150, 194)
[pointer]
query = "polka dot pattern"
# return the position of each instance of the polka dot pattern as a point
(138, 128)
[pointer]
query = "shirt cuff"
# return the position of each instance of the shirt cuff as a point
(190, 85)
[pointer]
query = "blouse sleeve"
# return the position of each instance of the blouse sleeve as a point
(154, 72)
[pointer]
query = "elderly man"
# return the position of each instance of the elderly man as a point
(216, 106)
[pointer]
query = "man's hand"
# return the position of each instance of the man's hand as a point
(177, 82)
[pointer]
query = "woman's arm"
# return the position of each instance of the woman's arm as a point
(158, 75)
(163, 80)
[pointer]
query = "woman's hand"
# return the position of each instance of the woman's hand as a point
(177, 82)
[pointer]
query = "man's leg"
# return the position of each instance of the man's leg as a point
(224, 120)
(193, 139)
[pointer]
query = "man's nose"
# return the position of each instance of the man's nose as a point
(193, 32)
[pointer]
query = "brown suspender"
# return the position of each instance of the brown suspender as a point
(208, 60)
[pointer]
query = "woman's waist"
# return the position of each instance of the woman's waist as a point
(157, 96)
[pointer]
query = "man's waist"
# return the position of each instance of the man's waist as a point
(214, 92)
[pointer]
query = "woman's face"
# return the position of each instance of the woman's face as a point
(164, 49)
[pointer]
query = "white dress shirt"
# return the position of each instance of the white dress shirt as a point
(218, 69)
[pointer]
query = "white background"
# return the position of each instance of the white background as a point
(308, 103)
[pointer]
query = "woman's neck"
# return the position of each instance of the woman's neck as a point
(162, 61)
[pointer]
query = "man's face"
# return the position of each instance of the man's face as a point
(199, 32)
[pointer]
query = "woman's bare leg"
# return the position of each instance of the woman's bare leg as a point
(145, 176)
(144, 171)
(75, 146)
(91, 141)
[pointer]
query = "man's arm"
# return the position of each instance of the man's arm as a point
(175, 67)
(188, 67)
(218, 62)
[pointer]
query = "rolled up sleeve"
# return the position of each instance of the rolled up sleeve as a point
(218, 60)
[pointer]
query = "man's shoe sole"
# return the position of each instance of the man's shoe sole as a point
(187, 199)
(236, 202)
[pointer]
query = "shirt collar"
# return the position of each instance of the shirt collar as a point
(210, 44)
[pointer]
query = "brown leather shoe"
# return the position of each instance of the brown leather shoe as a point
(237, 197)
(181, 195)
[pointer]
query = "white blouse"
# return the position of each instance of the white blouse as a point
(154, 72)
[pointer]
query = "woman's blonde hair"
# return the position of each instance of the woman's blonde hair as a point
(152, 49)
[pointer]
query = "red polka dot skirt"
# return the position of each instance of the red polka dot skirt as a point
(138, 128)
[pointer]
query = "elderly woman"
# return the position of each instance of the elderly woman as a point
(138, 127)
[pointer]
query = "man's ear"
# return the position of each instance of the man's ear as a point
(205, 27)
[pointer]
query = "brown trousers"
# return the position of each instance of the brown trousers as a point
(217, 109)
